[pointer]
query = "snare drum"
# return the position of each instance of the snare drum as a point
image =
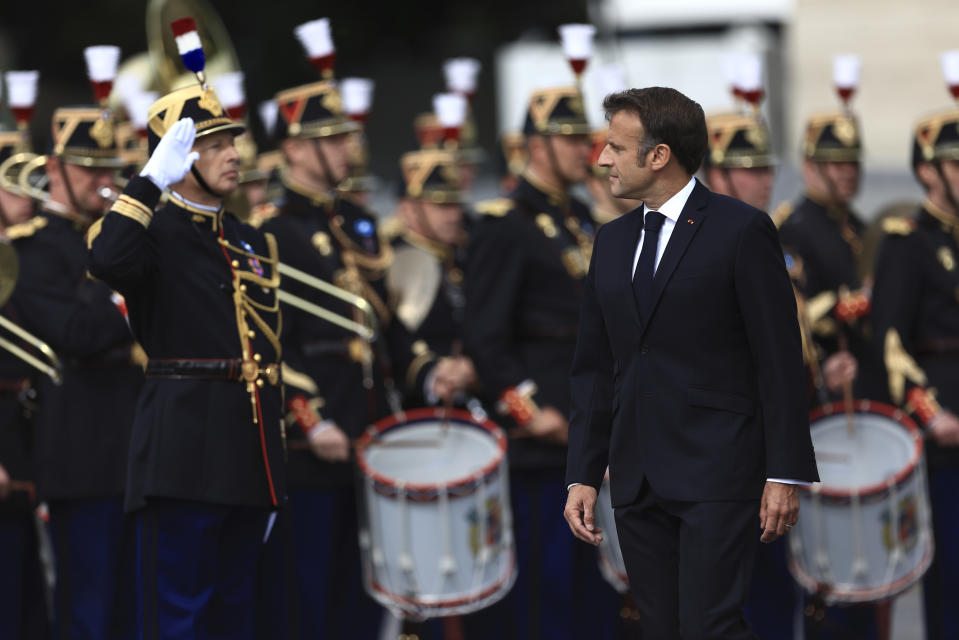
(864, 531)
(436, 531)
(611, 563)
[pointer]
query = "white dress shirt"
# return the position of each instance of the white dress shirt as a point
(671, 210)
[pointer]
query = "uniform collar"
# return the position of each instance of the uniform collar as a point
(438, 249)
(556, 197)
(949, 222)
(316, 198)
(202, 213)
(59, 210)
(833, 211)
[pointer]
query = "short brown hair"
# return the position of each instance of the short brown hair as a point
(668, 117)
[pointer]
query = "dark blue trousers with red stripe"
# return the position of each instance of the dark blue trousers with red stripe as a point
(196, 569)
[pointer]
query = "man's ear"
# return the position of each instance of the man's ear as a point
(927, 174)
(290, 148)
(659, 157)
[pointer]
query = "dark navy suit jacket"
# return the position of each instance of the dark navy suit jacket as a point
(707, 397)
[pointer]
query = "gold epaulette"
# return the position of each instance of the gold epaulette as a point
(26, 229)
(899, 226)
(261, 213)
(391, 227)
(497, 207)
(781, 213)
(93, 232)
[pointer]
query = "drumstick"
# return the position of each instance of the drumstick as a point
(847, 393)
(455, 352)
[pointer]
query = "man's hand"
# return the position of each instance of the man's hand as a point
(944, 428)
(548, 424)
(580, 504)
(779, 508)
(173, 156)
(4, 483)
(329, 443)
(452, 376)
(838, 370)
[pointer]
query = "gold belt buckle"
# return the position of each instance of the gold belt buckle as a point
(250, 371)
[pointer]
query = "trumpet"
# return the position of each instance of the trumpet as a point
(9, 270)
(368, 330)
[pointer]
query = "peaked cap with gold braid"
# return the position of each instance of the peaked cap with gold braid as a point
(432, 175)
(85, 136)
(195, 102)
(832, 136)
(556, 111)
(312, 110)
(738, 141)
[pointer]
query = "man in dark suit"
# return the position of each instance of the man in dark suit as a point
(688, 378)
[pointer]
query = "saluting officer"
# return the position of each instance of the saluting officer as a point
(527, 258)
(206, 459)
(425, 280)
(82, 426)
(916, 319)
(334, 378)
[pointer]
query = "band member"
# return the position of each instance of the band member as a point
(83, 425)
(916, 317)
(206, 457)
(693, 394)
(825, 235)
(425, 281)
(526, 264)
(335, 382)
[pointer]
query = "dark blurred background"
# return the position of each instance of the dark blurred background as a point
(399, 45)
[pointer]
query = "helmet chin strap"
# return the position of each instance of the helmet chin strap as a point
(203, 183)
(729, 182)
(950, 195)
(554, 162)
(74, 203)
(324, 165)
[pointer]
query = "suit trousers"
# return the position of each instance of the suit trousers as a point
(689, 564)
(196, 568)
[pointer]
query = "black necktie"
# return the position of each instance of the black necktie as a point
(643, 278)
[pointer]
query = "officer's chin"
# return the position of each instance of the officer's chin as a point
(229, 182)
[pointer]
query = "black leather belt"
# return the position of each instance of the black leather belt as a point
(213, 369)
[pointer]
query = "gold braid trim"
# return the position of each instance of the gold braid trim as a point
(417, 365)
(901, 367)
(299, 380)
(133, 208)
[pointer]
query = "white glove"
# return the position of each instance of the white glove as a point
(173, 156)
